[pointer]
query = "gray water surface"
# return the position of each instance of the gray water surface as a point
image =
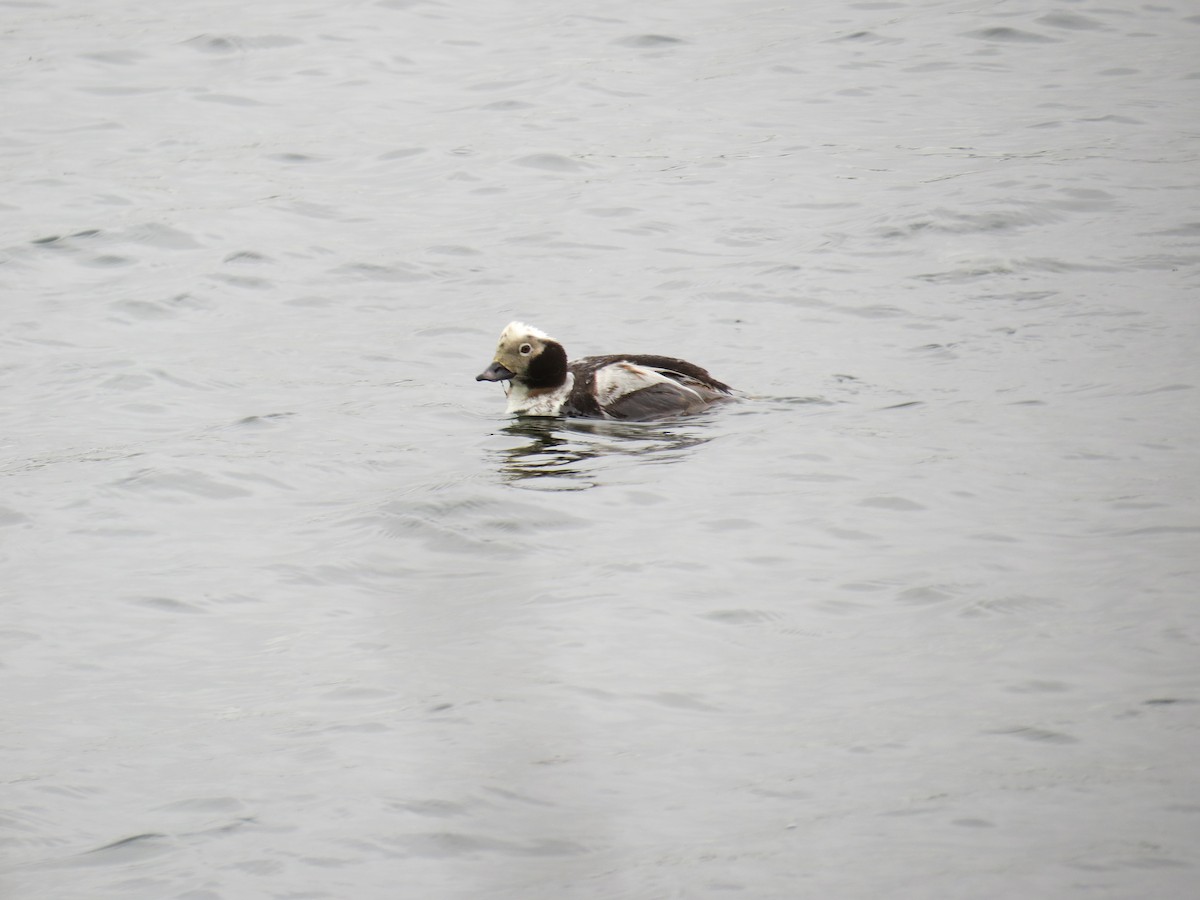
(292, 610)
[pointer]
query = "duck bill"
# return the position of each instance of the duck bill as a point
(494, 372)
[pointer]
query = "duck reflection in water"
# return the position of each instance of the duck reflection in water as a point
(570, 454)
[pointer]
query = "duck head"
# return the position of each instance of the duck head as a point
(529, 356)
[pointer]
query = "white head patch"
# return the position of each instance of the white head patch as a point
(517, 330)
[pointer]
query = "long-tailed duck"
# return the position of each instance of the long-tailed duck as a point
(542, 383)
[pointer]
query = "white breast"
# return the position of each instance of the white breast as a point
(541, 403)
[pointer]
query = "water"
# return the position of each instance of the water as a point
(292, 610)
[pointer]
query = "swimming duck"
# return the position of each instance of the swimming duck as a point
(542, 383)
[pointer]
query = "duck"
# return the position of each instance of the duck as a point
(539, 381)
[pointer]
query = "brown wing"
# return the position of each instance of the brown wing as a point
(679, 369)
(688, 389)
(660, 400)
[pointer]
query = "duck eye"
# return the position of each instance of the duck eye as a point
(525, 349)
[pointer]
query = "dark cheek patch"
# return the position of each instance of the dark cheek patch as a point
(549, 368)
